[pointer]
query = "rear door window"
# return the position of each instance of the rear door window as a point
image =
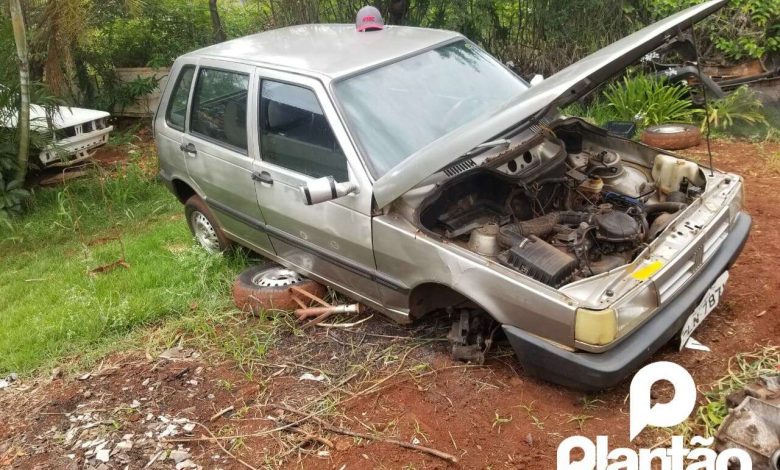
(219, 107)
(176, 113)
(295, 134)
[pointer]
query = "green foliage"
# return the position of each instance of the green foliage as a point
(152, 36)
(77, 228)
(752, 30)
(119, 95)
(744, 369)
(649, 101)
(743, 29)
(597, 112)
(741, 107)
(12, 194)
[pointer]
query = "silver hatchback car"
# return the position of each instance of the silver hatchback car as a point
(410, 170)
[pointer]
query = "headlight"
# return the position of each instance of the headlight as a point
(597, 327)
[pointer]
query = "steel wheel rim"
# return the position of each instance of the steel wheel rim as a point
(205, 233)
(276, 277)
(671, 129)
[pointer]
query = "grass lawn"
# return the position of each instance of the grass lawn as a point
(51, 306)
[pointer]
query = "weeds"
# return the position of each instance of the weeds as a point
(743, 369)
(590, 404)
(580, 419)
(773, 162)
(535, 420)
(499, 421)
(74, 313)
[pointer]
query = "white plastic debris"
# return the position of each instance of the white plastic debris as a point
(186, 464)
(310, 376)
(103, 455)
(170, 431)
(179, 455)
(123, 445)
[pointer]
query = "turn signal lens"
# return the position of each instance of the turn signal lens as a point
(597, 327)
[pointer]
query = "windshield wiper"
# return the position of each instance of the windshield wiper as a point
(486, 145)
(479, 148)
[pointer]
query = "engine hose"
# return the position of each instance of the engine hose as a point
(665, 207)
(541, 226)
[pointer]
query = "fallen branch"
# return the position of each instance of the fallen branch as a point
(174, 440)
(216, 441)
(220, 413)
(310, 437)
(309, 295)
(436, 453)
(108, 267)
(345, 325)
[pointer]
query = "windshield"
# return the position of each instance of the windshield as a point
(395, 110)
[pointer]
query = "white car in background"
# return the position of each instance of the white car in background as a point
(74, 132)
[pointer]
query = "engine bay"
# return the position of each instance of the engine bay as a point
(568, 208)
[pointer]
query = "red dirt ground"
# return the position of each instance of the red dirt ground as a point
(488, 417)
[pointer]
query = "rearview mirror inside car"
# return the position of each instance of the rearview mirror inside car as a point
(325, 189)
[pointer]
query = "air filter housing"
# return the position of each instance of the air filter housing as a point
(539, 260)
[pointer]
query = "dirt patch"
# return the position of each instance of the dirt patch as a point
(379, 379)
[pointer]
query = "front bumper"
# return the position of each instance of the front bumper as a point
(597, 371)
(76, 147)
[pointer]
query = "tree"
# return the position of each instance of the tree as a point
(216, 23)
(20, 37)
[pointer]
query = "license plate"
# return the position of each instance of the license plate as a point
(705, 307)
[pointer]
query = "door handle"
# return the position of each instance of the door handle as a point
(263, 177)
(188, 148)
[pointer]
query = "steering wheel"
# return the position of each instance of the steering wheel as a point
(456, 109)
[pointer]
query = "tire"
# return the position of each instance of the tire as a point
(204, 226)
(672, 136)
(267, 286)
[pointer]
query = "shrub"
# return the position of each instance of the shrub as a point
(649, 101)
(740, 107)
(743, 29)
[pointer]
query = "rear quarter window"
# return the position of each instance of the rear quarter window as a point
(176, 113)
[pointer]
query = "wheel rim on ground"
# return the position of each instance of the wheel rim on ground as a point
(204, 232)
(276, 277)
(670, 129)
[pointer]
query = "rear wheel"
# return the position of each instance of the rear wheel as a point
(204, 226)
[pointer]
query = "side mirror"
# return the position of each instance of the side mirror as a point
(325, 189)
(537, 79)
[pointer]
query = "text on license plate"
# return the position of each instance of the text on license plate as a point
(705, 307)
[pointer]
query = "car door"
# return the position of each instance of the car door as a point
(216, 147)
(170, 121)
(301, 139)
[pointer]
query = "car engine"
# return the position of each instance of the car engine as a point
(585, 210)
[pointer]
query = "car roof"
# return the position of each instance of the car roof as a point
(331, 50)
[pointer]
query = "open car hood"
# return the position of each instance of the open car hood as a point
(561, 89)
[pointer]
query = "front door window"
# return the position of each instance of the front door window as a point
(295, 134)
